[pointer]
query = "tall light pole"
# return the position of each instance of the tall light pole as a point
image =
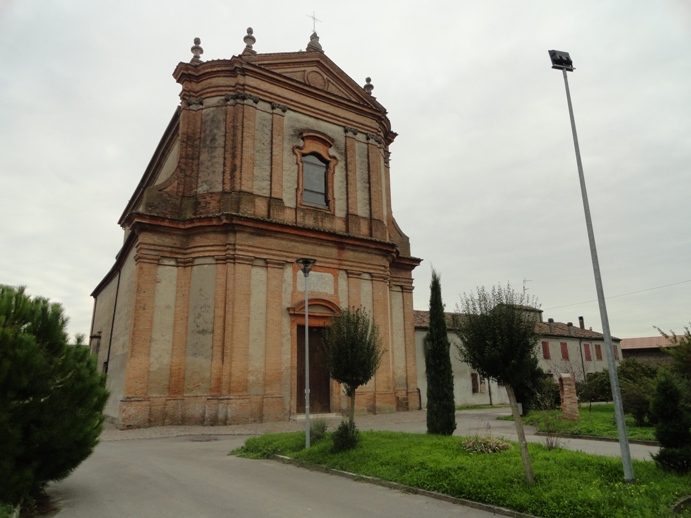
(562, 61)
(305, 265)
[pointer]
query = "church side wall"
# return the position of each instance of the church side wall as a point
(119, 347)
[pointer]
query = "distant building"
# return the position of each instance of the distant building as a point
(201, 320)
(562, 348)
(648, 350)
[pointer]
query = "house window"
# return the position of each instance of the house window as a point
(475, 379)
(316, 169)
(545, 350)
(598, 352)
(314, 180)
(588, 357)
(564, 351)
(615, 351)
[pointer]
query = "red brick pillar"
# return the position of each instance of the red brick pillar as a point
(569, 399)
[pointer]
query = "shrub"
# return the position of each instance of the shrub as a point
(595, 387)
(318, 428)
(485, 444)
(637, 387)
(345, 437)
(672, 426)
(635, 397)
(51, 396)
(676, 460)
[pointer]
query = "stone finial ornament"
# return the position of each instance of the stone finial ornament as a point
(368, 85)
(197, 51)
(314, 45)
(249, 40)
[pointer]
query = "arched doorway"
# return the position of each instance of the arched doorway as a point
(320, 313)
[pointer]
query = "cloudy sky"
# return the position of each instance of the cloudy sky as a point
(484, 177)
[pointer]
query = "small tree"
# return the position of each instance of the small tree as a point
(498, 339)
(353, 352)
(441, 410)
(51, 396)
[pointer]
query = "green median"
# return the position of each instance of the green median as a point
(568, 483)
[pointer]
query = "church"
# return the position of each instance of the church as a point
(268, 158)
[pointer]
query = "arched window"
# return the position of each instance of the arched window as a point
(314, 187)
(316, 169)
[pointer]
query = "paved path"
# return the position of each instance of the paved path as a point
(186, 472)
(469, 422)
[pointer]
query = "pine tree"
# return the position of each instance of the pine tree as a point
(51, 396)
(441, 410)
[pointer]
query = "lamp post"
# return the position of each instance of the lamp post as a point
(306, 265)
(562, 61)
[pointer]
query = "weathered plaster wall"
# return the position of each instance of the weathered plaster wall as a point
(200, 327)
(122, 328)
(170, 162)
(262, 153)
(162, 332)
(212, 150)
(363, 201)
(257, 348)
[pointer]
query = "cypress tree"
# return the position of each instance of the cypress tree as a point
(441, 411)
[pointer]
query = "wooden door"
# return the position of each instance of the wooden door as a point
(320, 383)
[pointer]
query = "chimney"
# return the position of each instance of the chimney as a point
(569, 325)
(550, 321)
(581, 323)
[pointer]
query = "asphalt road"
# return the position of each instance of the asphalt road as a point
(193, 477)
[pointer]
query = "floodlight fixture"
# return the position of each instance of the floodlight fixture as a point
(561, 60)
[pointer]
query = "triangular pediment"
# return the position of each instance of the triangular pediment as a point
(318, 71)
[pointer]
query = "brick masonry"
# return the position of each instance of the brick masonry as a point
(218, 346)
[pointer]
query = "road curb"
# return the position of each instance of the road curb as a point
(401, 487)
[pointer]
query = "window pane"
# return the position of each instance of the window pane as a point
(313, 180)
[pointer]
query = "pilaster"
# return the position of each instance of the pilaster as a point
(276, 203)
(274, 408)
(385, 400)
(138, 355)
(353, 219)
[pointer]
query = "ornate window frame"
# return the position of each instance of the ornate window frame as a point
(315, 143)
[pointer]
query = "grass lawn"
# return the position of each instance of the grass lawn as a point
(568, 483)
(598, 421)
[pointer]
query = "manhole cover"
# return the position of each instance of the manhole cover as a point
(202, 438)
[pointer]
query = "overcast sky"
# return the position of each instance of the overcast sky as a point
(483, 172)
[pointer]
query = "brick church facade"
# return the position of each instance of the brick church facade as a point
(269, 158)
